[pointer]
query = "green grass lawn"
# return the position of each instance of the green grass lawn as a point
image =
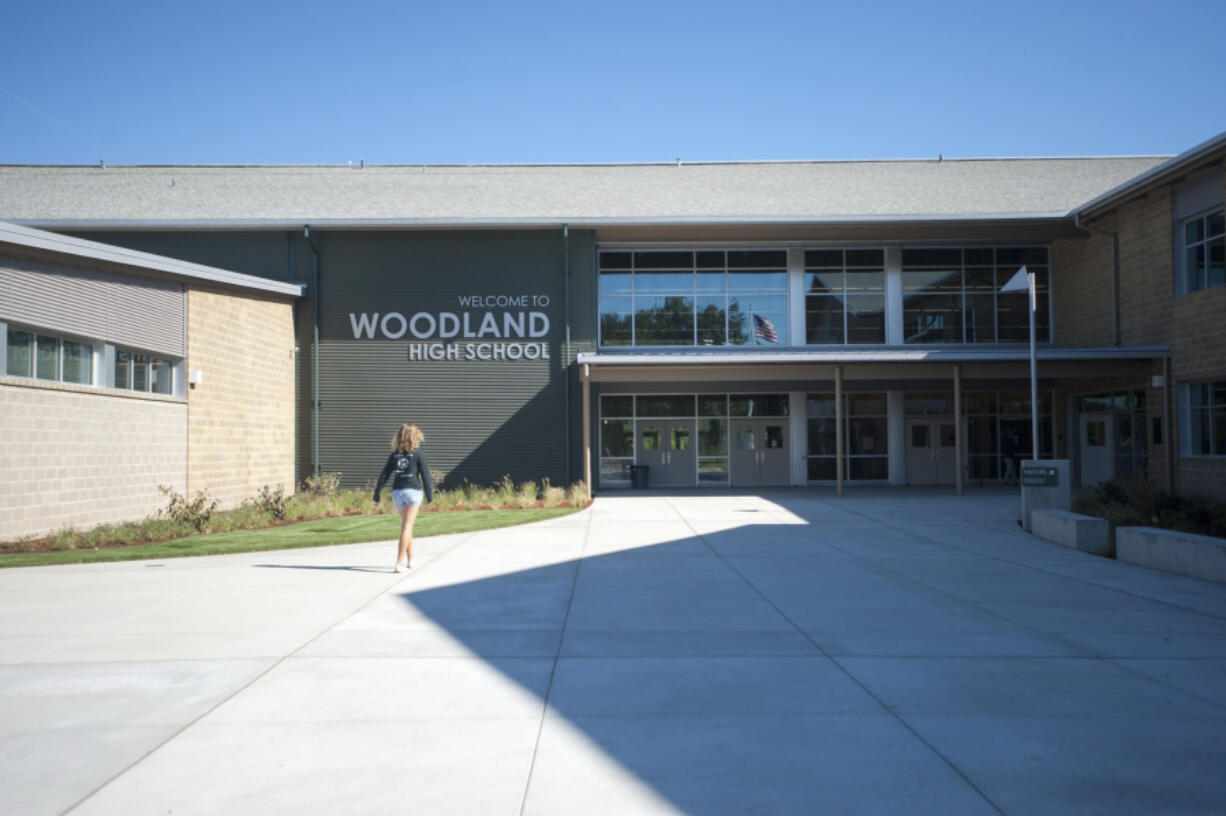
(318, 533)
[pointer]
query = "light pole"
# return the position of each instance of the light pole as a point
(1021, 280)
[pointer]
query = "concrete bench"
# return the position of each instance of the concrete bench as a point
(1085, 533)
(1184, 553)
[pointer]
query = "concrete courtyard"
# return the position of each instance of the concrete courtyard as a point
(711, 653)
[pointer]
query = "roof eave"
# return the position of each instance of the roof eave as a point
(21, 236)
(1155, 175)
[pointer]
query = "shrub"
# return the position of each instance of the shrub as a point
(325, 484)
(1136, 502)
(477, 496)
(272, 502)
(578, 495)
(552, 496)
(503, 491)
(525, 495)
(446, 499)
(195, 513)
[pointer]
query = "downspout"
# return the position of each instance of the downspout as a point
(306, 233)
(566, 352)
(1115, 274)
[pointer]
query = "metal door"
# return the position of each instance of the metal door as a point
(774, 469)
(945, 469)
(921, 452)
(746, 442)
(759, 453)
(649, 443)
(1097, 462)
(682, 455)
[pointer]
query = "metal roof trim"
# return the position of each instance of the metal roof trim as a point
(1153, 175)
(19, 235)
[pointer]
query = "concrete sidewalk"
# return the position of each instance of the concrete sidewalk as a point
(787, 652)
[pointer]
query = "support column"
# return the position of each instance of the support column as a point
(896, 423)
(587, 427)
(798, 420)
(958, 428)
(838, 430)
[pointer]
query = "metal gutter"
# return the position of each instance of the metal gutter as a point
(959, 355)
(21, 236)
(524, 222)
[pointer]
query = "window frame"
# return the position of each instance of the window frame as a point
(1186, 417)
(1181, 248)
(61, 341)
(695, 293)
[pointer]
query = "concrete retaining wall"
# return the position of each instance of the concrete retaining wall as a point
(1184, 553)
(1084, 533)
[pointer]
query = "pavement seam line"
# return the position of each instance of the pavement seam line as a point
(1091, 652)
(894, 714)
(1038, 569)
(553, 671)
(277, 662)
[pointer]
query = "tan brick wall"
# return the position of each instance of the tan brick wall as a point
(240, 433)
(76, 456)
(1081, 290)
(1192, 325)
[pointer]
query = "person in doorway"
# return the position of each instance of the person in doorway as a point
(1009, 454)
(408, 469)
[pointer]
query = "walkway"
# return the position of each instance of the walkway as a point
(886, 652)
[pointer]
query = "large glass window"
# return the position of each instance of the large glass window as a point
(992, 417)
(46, 357)
(1201, 252)
(952, 294)
(865, 438)
(143, 372)
(693, 298)
(844, 296)
(1203, 406)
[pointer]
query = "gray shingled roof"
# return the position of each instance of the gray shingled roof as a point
(59, 196)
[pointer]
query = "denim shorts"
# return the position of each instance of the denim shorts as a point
(407, 498)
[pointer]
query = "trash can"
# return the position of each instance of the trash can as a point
(638, 476)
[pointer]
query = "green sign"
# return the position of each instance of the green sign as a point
(1039, 476)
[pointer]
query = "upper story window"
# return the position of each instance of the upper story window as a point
(952, 295)
(844, 296)
(693, 297)
(47, 357)
(1201, 252)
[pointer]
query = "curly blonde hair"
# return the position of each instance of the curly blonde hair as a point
(407, 439)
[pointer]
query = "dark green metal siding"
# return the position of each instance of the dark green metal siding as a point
(482, 419)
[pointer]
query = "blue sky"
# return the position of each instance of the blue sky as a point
(138, 82)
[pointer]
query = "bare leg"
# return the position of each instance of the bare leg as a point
(407, 518)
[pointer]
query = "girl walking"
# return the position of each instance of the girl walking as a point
(411, 483)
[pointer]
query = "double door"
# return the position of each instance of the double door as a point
(759, 452)
(667, 448)
(931, 452)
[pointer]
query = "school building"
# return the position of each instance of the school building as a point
(816, 323)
